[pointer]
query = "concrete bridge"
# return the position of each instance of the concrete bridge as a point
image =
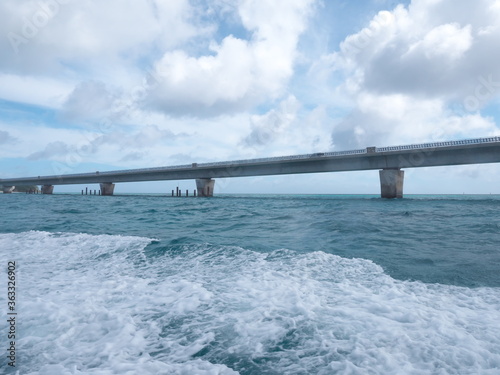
(388, 160)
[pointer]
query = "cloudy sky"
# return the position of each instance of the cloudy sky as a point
(91, 85)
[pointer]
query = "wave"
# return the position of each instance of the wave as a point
(105, 304)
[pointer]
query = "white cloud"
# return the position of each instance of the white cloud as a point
(411, 68)
(118, 31)
(89, 101)
(51, 45)
(34, 137)
(287, 130)
(41, 91)
(168, 56)
(275, 124)
(429, 49)
(449, 42)
(238, 73)
(384, 120)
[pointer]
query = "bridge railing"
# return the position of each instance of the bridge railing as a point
(439, 144)
(281, 158)
(308, 156)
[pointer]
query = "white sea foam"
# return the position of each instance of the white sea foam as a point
(101, 305)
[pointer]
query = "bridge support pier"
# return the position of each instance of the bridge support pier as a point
(391, 183)
(8, 189)
(47, 189)
(107, 188)
(205, 187)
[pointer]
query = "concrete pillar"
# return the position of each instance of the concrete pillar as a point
(47, 189)
(205, 187)
(107, 188)
(391, 183)
(8, 189)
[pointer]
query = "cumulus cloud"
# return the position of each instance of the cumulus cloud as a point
(266, 128)
(103, 32)
(409, 67)
(50, 46)
(167, 56)
(89, 101)
(237, 72)
(383, 120)
(428, 48)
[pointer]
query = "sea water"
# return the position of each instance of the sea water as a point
(146, 284)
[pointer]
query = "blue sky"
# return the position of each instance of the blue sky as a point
(89, 85)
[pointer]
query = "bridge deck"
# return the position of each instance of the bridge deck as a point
(471, 151)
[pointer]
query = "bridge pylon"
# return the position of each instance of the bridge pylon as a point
(205, 187)
(47, 189)
(107, 188)
(391, 183)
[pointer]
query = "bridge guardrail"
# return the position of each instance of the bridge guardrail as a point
(439, 144)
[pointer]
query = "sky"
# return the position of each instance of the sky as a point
(90, 85)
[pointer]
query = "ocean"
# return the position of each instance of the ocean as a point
(251, 284)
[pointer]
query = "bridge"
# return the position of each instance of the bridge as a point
(388, 160)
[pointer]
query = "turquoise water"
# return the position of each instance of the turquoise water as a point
(255, 284)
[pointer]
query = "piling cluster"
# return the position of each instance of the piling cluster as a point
(178, 193)
(96, 192)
